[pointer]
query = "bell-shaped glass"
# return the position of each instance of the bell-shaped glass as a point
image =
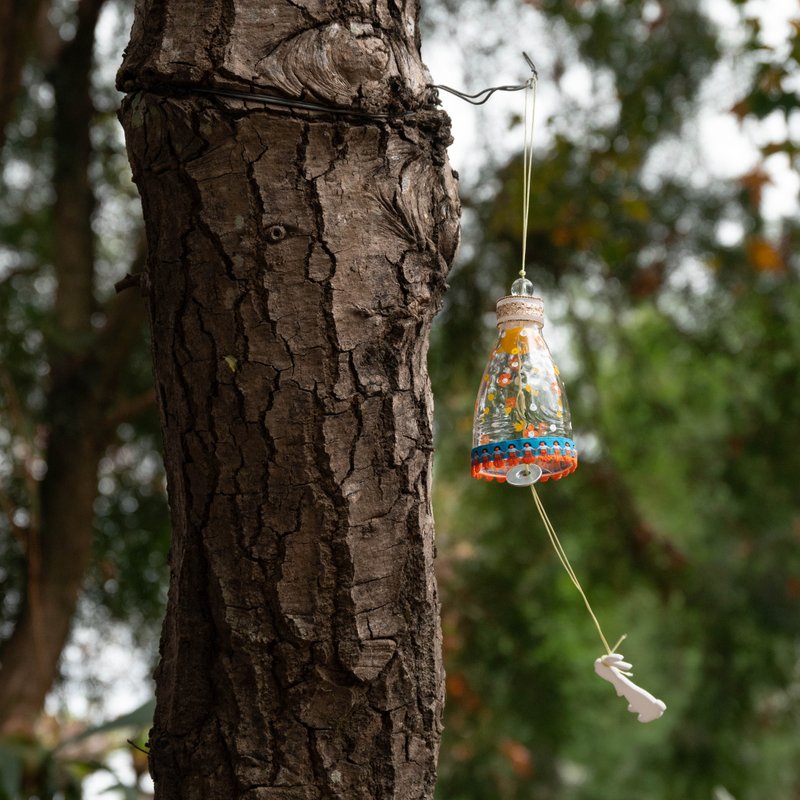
(521, 413)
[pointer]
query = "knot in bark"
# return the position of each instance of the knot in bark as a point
(276, 233)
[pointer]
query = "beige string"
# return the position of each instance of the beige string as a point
(527, 163)
(562, 557)
(527, 171)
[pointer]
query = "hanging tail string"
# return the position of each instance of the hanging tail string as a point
(562, 557)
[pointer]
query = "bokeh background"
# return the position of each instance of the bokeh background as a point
(663, 239)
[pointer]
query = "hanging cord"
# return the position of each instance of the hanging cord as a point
(527, 147)
(562, 557)
(527, 171)
(527, 160)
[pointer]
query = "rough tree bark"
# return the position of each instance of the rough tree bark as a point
(296, 262)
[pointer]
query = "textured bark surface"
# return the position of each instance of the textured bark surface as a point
(296, 264)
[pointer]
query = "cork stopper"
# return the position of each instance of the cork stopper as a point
(520, 309)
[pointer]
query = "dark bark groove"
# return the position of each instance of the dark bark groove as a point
(295, 267)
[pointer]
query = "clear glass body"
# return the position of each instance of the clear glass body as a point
(521, 412)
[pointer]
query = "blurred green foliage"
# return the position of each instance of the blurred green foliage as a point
(680, 348)
(127, 580)
(128, 573)
(54, 766)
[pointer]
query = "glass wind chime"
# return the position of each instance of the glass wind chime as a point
(522, 432)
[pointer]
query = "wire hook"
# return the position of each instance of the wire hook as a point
(531, 65)
(474, 98)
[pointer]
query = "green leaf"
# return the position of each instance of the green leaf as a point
(139, 718)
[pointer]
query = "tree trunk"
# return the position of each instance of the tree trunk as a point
(17, 26)
(62, 506)
(296, 262)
